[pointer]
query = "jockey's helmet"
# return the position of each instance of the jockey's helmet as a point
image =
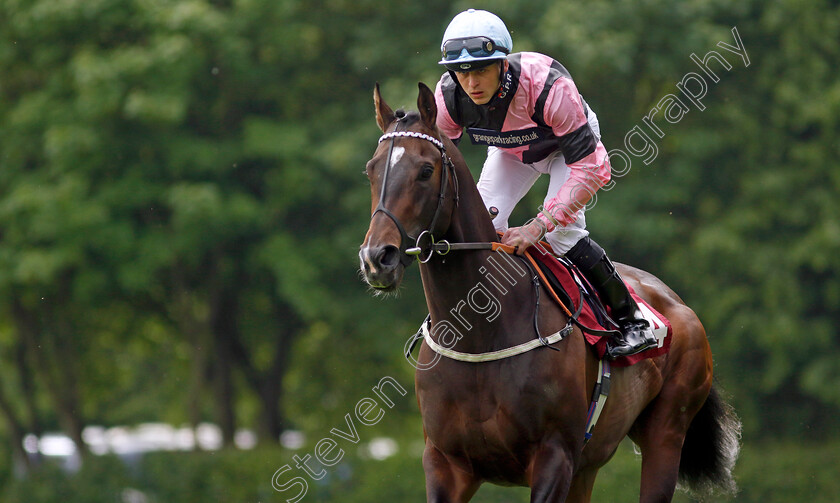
(474, 39)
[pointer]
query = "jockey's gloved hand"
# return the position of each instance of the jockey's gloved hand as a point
(524, 236)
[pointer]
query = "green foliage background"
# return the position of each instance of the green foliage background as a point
(181, 204)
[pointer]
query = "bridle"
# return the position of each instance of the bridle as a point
(424, 244)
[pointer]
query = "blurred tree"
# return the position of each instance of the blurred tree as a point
(140, 185)
(766, 233)
(164, 207)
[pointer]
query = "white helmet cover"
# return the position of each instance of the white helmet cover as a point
(473, 39)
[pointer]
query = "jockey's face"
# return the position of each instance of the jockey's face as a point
(481, 84)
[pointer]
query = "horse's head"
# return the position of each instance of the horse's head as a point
(413, 191)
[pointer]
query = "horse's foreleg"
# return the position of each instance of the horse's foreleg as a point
(582, 484)
(551, 475)
(446, 483)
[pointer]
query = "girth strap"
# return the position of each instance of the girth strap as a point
(599, 398)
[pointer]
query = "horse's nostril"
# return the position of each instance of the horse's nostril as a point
(389, 257)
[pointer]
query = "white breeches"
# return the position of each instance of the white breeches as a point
(505, 180)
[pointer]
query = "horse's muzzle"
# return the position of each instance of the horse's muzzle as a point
(381, 266)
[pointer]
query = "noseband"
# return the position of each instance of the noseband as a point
(424, 243)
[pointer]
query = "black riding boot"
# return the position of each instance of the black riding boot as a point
(636, 334)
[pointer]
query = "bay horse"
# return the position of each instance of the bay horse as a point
(521, 420)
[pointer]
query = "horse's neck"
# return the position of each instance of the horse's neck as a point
(477, 292)
(470, 220)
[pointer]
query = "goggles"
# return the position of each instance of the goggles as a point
(477, 47)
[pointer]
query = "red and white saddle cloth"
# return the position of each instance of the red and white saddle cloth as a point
(571, 280)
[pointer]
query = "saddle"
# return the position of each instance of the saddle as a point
(571, 290)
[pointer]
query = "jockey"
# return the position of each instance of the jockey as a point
(526, 109)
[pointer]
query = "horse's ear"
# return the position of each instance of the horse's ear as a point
(427, 106)
(384, 114)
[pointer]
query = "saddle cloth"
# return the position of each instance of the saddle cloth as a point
(593, 315)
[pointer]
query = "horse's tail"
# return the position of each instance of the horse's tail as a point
(711, 448)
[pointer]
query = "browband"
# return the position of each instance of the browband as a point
(413, 134)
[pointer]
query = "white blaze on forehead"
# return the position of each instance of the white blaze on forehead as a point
(396, 155)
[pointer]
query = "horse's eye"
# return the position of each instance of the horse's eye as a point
(426, 172)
